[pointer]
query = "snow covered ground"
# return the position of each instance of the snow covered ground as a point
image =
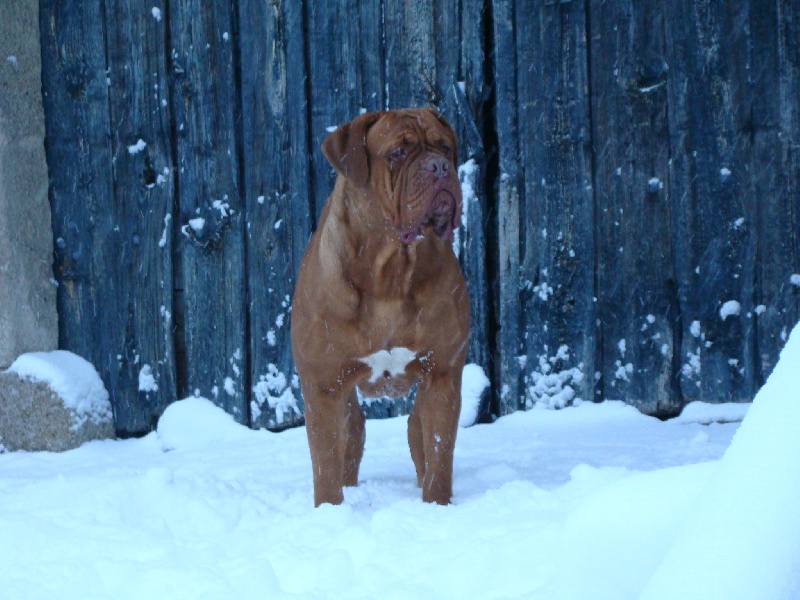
(593, 502)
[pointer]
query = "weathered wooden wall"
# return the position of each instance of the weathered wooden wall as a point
(634, 168)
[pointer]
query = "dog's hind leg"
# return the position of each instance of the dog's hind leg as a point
(415, 444)
(354, 450)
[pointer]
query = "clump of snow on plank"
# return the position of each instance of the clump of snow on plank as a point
(273, 391)
(467, 176)
(74, 379)
(551, 385)
(473, 382)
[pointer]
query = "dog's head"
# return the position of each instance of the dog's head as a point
(407, 160)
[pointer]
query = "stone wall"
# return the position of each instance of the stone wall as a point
(28, 320)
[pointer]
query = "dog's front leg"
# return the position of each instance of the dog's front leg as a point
(326, 426)
(434, 425)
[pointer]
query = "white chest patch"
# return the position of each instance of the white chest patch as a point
(392, 361)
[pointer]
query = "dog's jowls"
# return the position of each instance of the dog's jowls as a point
(380, 301)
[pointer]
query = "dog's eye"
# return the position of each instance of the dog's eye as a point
(396, 155)
(447, 150)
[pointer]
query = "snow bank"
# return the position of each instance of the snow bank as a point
(197, 423)
(74, 379)
(742, 538)
(705, 412)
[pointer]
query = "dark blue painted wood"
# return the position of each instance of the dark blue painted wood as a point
(210, 269)
(557, 216)
(637, 314)
(714, 214)
(277, 194)
(141, 211)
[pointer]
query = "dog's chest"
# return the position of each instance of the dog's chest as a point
(388, 363)
(389, 374)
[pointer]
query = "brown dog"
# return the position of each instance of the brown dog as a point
(380, 300)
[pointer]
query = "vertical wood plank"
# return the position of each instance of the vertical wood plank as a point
(142, 212)
(210, 285)
(714, 218)
(276, 195)
(775, 73)
(469, 101)
(410, 53)
(557, 222)
(344, 81)
(78, 147)
(635, 288)
(507, 369)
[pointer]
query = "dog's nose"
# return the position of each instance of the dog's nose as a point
(438, 165)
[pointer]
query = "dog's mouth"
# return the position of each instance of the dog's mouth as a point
(440, 218)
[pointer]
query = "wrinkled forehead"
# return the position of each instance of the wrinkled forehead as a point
(409, 127)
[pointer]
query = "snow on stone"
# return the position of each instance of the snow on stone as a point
(229, 386)
(729, 309)
(147, 381)
(137, 147)
(795, 279)
(74, 379)
(473, 382)
(156, 12)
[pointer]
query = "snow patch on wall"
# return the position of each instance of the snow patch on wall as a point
(273, 390)
(147, 381)
(467, 176)
(551, 385)
(731, 308)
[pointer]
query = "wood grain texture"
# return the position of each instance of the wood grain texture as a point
(507, 369)
(637, 314)
(633, 173)
(142, 213)
(775, 79)
(276, 196)
(209, 273)
(557, 216)
(79, 156)
(714, 212)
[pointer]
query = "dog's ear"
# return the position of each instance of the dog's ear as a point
(346, 148)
